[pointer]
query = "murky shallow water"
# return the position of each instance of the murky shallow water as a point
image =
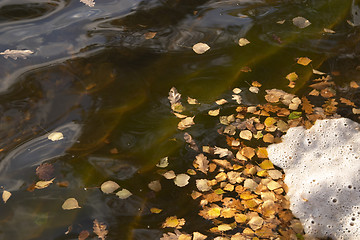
(96, 78)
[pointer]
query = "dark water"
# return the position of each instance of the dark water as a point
(97, 79)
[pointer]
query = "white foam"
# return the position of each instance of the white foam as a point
(322, 171)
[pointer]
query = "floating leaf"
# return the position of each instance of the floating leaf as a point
(328, 30)
(100, 229)
(254, 89)
(237, 98)
(83, 235)
(356, 111)
(55, 136)
(211, 212)
(170, 174)
(248, 152)
(192, 101)
(347, 102)
(243, 42)
(256, 222)
(353, 84)
(178, 115)
(174, 97)
(186, 123)
(307, 106)
(198, 236)
(268, 138)
(269, 121)
(221, 101)
(236, 90)
(295, 115)
(304, 61)
(163, 163)
(123, 194)
(14, 54)
(292, 77)
(109, 187)
(155, 210)
(318, 72)
(200, 48)
(224, 227)
(202, 163)
(301, 22)
(214, 112)
(246, 134)
(6, 195)
(70, 203)
(45, 171)
(43, 184)
(155, 185)
(173, 222)
(202, 185)
(266, 164)
(89, 3)
(223, 152)
(182, 180)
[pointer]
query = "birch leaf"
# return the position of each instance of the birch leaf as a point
(202, 185)
(221, 101)
(182, 180)
(246, 134)
(100, 229)
(123, 194)
(6, 195)
(89, 3)
(109, 187)
(200, 48)
(301, 22)
(70, 203)
(318, 72)
(14, 54)
(192, 101)
(237, 98)
(214, 112)
(43, 184)
(243, 42)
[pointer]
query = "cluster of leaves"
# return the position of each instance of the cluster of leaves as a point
(238, 188)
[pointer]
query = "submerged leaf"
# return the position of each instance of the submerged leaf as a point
(45, 171)
(100, 229)
(301, 22)
(155, 185)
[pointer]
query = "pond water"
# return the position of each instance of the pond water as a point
(97, 77)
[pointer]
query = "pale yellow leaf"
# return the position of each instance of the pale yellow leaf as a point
(55, 136)
(221, 101)
(318, 72)
(170, 174)
(202, 185)
(200, 48)
(186, 123)
(6, 195)
(243, 42)
(214, 112)
(192, 101)
(123, 194)
(43, 184)
(109, 187)
(163, 163)
(246, 134)
(70, 203)
(182, 180)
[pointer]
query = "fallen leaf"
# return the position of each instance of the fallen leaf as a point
(83, 235)
(182, 180)
(214, 112)
(174, 97)
(100, 229)
(237, 98)
(89, 3)
(109, 187)
(248, 152)
(353, 84)
(295, 115)
(301, 22)
(269, 121)
(318, 72)
(163, 163)
(202, 163)
(356, 111)
(246, 134)
(155, 210)
(266, 164)
(198, 236)
(155, 185)
(43, 184)
(224, 227)
(262, 152)
(186, 123)
(178, 115)
(169, 174)
(202, 185)
(192, 101)
(210, 212)
(292, 77)
(243, 42)
(307, 107)
(236, 90)
(70, 203)
(221, 101)
(14, 54)
(223, 152)
(45, 171)
(328, 30)
(55, 136)
(304, 61)
(314, 92)
(123, 194)
(254, 89)
(280, 22)
(268, 138)
(200, 48)
(173, 222)
(6, 195)
(256, 84)
(150, 35)
(256, 222)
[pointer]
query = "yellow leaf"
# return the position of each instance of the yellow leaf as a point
(192, 101)
(243, 42)
(304, 61)
(248, 152)
(292, 77)
(200, 48)
(109, 187)
(267, 164)
(224, 227)
(246, 134)
(43, 184)
(269, 121)
(55, 136)
(123, 194)
(214, 112)
(262, 152)
(214, 212)
(155, 210)
(186, 123)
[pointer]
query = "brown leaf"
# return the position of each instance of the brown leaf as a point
(186, 123)
(202, 163)
(100, 229)
(347, 102)
(188, 138)
(223, 163)
(174, 96)
(327, 93)
(150, 35)
(248, 152)
(314, 92)
(307, 106)
(304, 61)
(83, 235)
(173, 222)
(45, 171)
(353, 84)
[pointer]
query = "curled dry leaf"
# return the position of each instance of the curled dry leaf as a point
(14, 54)
(155, 185)
(214, 112)
(186, 123)
(100, 229)
(89, 3)
(123, 194)
(109, 187)
(163, 163)
(6, 195)
(200, 48)
(55, 136)
(182, 180)
(43, 184)
(70, 203)
(301, 22)
(243, 42)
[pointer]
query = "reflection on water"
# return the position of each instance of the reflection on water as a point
(95, 77)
